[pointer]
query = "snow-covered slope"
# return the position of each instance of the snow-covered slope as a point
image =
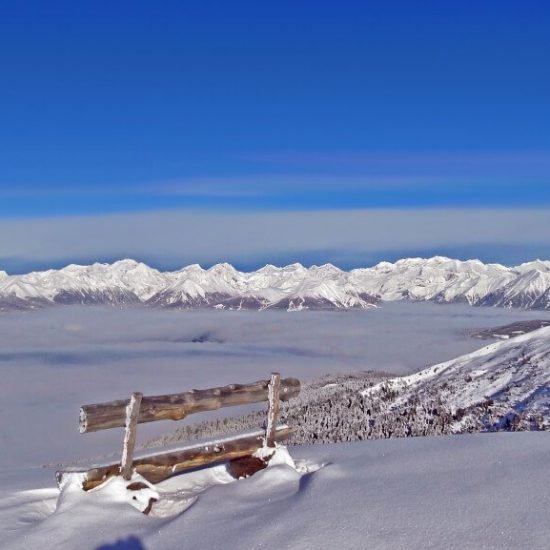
(531, 290)
(293, 287)
(505, 385)
(438, 278)
(473, 492)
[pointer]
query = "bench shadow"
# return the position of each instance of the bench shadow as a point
(131, 543)
(306, 479)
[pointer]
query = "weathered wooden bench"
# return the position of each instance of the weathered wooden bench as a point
(159, 465)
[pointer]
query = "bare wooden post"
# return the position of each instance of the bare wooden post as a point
(132, 414)
(273, 411)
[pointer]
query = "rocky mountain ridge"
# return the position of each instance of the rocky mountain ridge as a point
(293, 287)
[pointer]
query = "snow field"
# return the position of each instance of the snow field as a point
(481, 491)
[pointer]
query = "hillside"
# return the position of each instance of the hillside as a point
(504, 386)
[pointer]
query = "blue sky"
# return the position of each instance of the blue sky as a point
(126, 108)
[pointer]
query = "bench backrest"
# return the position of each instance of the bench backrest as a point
(128, 413)
(177, 406)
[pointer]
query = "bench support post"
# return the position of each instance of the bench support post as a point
(132, 414)
(273, 411)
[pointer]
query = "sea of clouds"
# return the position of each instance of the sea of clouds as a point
(54, 360)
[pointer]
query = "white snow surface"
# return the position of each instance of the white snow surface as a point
(513, 373)
(478, 491)
(482, 491)
(292, 287)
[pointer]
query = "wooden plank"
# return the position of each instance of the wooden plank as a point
(177, 406)
(273, 411)
(132, 413)
(156, 467)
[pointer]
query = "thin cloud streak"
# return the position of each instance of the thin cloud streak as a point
(441, 164)
(211, 236)
(273, 172)
(275, 193)
(239, 186)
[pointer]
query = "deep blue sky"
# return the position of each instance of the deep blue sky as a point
(180, 132)
(123, 106)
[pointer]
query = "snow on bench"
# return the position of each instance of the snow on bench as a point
(155, 466)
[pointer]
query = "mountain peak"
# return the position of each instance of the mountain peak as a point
(297, 266)
(126, 263)
(192, 268)
(326, 267)
(223, 267)
(540, 265)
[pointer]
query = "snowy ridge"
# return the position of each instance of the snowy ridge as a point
(293, 287)
(124, 282)
(505, 385)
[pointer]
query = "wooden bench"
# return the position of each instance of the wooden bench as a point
(159, 465)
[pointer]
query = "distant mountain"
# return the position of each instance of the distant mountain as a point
(504, 332)
(293, 287)
(128, 282)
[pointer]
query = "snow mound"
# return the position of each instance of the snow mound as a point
(481, 491)
(55, 519)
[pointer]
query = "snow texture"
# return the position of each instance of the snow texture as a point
(471, 492)
(476, 491)
(505, 385)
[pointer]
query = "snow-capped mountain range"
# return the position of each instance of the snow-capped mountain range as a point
(293, 287)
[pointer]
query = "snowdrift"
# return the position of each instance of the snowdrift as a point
(459, 492)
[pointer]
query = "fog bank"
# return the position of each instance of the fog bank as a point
(52, 361)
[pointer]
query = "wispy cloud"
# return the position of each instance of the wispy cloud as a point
(447, 164)
(278, 193)
(297, 181)
(187, 236)
(259, 185)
